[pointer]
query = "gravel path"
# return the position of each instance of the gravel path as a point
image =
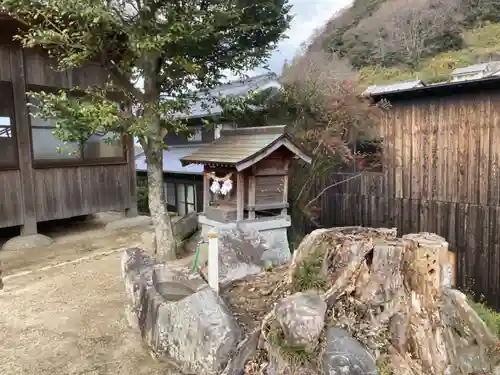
(70, 320)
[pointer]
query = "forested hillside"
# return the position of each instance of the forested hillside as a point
(391, 40)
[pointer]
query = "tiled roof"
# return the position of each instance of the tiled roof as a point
(476, 68)
(237, 146)
(171, 161)
(403, 85)
(236, 88)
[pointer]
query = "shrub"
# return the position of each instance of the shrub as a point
(142, 199)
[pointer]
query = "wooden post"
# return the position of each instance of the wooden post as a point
(131, 211)
(23, 133)
(206, 190)
(213, 261)
(285, 189)
(251, 194)
(240, 195)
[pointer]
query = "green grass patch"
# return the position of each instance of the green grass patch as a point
(489, 316)
(383, 367)
(309, 274)
(297, 356)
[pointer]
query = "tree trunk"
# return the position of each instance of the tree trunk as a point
(165, 243)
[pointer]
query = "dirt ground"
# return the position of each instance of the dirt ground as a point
(62, 309)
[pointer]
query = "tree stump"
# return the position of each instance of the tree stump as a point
(393, 295)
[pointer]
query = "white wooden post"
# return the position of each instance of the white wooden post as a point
(213, 261)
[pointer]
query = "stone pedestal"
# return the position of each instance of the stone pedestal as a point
(247, 247)
(272, 229)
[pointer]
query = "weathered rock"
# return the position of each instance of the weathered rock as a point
(20, 243)
(302, 318)
(129, 222)
(181, 319)
(183, 227)
(243, 253)
(468, 340)
(345, 355)
(246, 348)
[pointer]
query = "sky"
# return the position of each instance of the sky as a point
(309, 15)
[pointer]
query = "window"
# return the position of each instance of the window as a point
(47, 147)
(196, 137)
(8, 145)
(217, 131)
(170, 194)
(186, 199)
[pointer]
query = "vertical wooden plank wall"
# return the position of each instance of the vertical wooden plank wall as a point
(23, 133)
(31, 195)
(441, 174)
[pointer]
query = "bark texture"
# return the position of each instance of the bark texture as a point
(165, 243)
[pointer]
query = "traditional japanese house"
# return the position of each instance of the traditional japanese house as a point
(37, 182)
(245, 179)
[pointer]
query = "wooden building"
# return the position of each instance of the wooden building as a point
(441, 173)
(246, 173)
(38, 182)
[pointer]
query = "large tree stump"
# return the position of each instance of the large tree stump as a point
(393, 295)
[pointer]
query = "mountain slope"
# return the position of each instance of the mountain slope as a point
(392, 40)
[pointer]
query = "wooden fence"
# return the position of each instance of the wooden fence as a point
(470, 229)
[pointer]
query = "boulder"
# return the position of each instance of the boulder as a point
(129, 222)
(20, 243)
(301, 317)
(345, 355)
(183, 227)
(181, 319)
(243, 253)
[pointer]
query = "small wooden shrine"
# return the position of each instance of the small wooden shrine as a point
(246, 173)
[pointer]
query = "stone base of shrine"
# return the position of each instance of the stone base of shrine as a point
(273, 230)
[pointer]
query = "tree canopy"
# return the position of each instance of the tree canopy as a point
(175, 47)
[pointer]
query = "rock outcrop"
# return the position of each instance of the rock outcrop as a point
(243, 253)
(179, 317)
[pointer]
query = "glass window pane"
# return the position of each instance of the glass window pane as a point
(170, 191)
(190, 194)
(181, 199)
(217, 130)
(8, 145)
(98, 146)
(47, 147)
(191, 208)
(181, 193)
(107, 145)
(196, 137)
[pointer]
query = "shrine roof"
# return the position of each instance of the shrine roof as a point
(243, 147)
